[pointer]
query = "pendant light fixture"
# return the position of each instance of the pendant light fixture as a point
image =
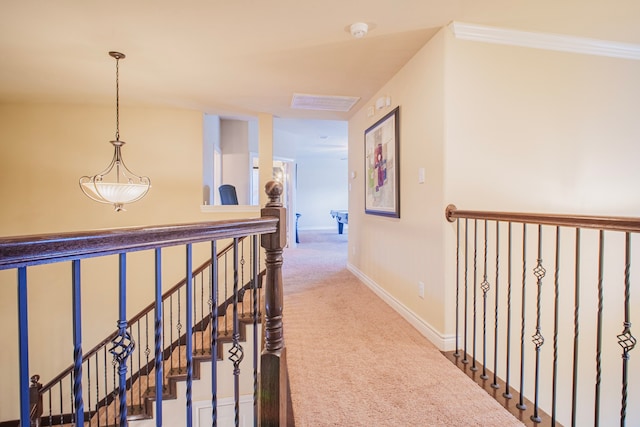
(116, 185)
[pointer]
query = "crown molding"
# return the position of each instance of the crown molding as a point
(545, 41)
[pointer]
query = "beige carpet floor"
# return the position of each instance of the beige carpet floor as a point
(353, 361)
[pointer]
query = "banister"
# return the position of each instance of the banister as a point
(612, 223)
(24, 251)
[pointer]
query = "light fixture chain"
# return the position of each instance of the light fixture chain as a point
(117, 99)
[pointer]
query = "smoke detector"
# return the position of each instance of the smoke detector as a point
(359, 30)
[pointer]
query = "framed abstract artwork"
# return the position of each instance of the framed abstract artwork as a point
(382, 166)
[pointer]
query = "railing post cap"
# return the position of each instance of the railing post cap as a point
(274, 190)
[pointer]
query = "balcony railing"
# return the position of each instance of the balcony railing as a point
(543, 313)
(75, 390)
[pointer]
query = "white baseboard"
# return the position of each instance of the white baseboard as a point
(443, 342)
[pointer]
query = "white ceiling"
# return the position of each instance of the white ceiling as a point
(238, 58)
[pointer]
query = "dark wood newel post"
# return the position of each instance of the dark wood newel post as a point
(273, 384)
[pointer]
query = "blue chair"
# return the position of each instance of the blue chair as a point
(228, 195)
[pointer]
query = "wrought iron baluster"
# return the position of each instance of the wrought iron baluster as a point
(507, 389)
(242, 282)
(625, 339)
(538, 339)
(254, 299)
(106, 387)
(131, 370)
(179, 328)
(466, 290)
(71, 398)
(50, 408)
(226, 296)
(171, 332)
(576, 331)
(596, 421)
(556, 312)
(495, 331)
(159, 336)
(189, 332)
(78, 403)
(115, 392)
(139, 369)
(123, 345)
(97, 389)
(89, 386)
(213, 307)
(457, 353)
(475, 289)
(485, 288)
(236, 353)
(147, 350)
(61, 402)
(202, 320)
(23, 344)
(521, 404)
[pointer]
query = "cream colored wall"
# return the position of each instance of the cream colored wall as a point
(497, 128)
(535, 130)
(398, 253)
(46, 148)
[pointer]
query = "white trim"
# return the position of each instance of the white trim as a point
(546, 41)
(443, 342)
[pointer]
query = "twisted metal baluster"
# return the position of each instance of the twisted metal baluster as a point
(556, 312)
(213, 307)
(457, 352)
(236, 354)
(507, 393)
(576, 331)
(466, 291)
(78, 403)
(521, 404)
(538, 339)
(596, 422)
(123, 345)
(495, 385)
(485, 288)
(475, 290)
(625, 339)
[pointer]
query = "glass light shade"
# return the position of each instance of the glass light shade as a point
(115, 192)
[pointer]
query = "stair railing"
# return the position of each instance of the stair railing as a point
(540, 303)
(127, 377)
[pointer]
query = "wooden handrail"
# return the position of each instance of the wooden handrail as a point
(612, 223)
(24, 251)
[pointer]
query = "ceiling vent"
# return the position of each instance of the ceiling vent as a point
(303, 101)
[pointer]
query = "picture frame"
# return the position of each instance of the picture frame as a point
(382, 166)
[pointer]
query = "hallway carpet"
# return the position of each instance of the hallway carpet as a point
(353, 361)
